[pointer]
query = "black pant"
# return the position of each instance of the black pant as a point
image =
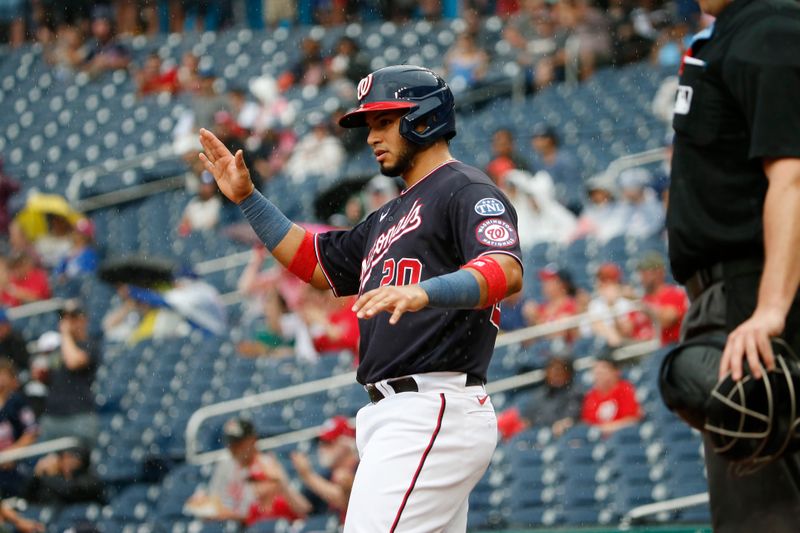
(769, 499)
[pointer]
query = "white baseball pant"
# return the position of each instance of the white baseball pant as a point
(421, 453)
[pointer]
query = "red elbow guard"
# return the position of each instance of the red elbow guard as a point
(305, 259)
(492, 272)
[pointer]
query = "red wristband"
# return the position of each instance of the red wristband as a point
(305, 259)
(495, 276)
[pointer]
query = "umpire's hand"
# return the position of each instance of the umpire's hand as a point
(752, 340)
(232, 176)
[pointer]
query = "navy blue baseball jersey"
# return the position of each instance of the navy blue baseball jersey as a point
(451, 216)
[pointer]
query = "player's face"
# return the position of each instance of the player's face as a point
(394, 154)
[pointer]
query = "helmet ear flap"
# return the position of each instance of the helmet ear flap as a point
(437, 113)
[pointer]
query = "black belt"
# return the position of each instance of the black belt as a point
(409, 385)
(702, 280)
(706, 277)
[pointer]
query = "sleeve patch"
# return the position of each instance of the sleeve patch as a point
(490, 207)
(496, 233)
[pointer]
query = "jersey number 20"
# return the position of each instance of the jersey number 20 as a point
(406, 271)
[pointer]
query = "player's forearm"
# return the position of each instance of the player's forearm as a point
(478, 285)
(281, 237)
(781, 276)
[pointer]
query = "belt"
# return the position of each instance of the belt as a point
(706, 277)
(702, 280)
(409, 385)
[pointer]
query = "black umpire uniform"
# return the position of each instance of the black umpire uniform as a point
(738, 103)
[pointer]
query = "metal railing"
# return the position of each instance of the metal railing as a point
(39, 448)
(668, 505)
(342, 380)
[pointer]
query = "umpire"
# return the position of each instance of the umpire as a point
(734, 220)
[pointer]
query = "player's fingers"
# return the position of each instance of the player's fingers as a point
(765, 349)
(370, 300)
(399, 309)
(206, 146)
(363, 300)
(753, 360)
(380, 304)
(240, 161)
(725, 362)
(209, 166)
(214, 145)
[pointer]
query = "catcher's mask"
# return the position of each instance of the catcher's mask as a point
(751, 422)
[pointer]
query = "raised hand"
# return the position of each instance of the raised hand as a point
(232, 176)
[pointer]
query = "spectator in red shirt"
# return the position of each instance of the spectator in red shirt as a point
(611, 403)
(151, 79)
(331, 321)
(559, 300)
(275, 497)
(21, 281)
(667, 303)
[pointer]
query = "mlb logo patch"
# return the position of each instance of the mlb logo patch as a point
(490, 207)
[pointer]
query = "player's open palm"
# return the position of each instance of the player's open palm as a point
(232, 176)
(395, 300)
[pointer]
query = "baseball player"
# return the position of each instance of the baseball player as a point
(430, 268)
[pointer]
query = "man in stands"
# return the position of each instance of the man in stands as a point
(667, 303)
(69, 409)
(337, 453)
(561, 165)
(611, 403)
(559, 299)
(628, 324)
(555, 404)
(230, 493)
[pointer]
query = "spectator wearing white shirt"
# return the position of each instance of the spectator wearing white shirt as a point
(601, 218)
(614, 317)
(203, 211)
(318, 153)
(541, 217)
(642, 212)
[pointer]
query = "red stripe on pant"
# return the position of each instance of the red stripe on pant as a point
(421, 464)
